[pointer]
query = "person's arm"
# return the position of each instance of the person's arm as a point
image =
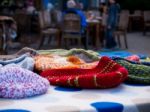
(83, 18)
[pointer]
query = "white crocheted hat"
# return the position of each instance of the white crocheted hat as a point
(16, 83)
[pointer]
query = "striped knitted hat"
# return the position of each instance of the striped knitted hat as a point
(106, 74)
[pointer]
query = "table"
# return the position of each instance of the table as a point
(125, 98)
(3, 22)
(96, 24)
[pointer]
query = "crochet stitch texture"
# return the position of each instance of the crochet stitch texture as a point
(16, 83)
(139, 73)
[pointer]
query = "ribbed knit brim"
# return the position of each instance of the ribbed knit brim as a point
(106, 74)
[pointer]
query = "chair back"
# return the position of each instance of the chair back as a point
(44, 19)
(123, 20)
(125, 12)
(71, 23)
(146, 16)
(22, 21)
(137, 13)
(1, 39)
(57, 16)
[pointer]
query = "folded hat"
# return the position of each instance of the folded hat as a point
(16, 83)
(86, 55)
(19, 55)
(25, 50)
(106, 74)
(44, 62)
(24, 61)
(14, 60)
(139, 72)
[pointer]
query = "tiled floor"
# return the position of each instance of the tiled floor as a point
(137, 43)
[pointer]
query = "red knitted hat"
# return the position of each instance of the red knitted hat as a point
(106, 74)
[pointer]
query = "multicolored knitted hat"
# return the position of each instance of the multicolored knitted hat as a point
(139, 72)
(16, 83)
(106, 74)
(44, 62)
(86, 55)
(24, 61)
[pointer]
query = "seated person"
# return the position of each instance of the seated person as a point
(72, 8)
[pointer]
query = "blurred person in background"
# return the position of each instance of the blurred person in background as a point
(80, 5)
(73, 8)
(104, 16)
(112, 20)
(30, 6)
(50, 6)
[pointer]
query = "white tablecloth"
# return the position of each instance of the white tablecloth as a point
(125, 98)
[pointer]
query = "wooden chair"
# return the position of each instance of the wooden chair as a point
(146, 21)
(121, 31)
(71, 28)
(57, 17)
(137, 13)
(5, 22)
(137, 20)
(125, 12)
(23, 22)
(2, 47)
(1, 41)
(46, 30)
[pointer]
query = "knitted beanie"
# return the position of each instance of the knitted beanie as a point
(44, 62)
(139, 72)
(106, 74)
(86, 55)
(24, 61)
(16, 83)
(20, 53)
